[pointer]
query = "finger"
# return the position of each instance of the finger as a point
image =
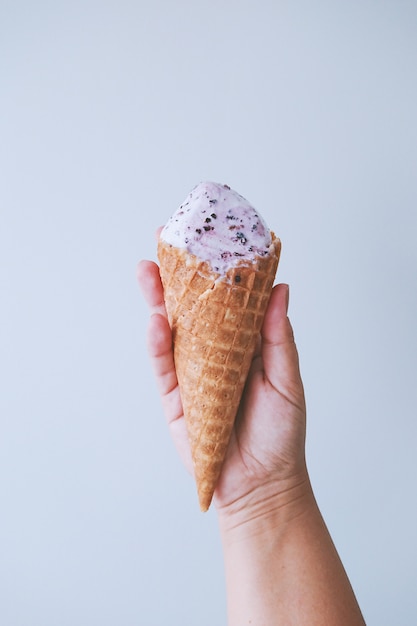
(276, 328)
(279, 352)
(279, 298)
(151, 286)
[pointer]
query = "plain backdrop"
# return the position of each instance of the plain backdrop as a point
(110, 112)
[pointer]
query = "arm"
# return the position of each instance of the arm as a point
(281, 565)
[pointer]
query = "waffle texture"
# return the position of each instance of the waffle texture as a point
(215, 324)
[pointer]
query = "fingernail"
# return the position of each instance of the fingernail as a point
(287, 298)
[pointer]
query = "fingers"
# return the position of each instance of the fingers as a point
(162, 361)
(159, 337)
(279, 352)
(160, 351)
(151, 286)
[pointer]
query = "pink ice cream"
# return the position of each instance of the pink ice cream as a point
(219, 226)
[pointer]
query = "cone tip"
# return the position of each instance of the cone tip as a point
(205, 501)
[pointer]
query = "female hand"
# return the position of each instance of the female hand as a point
(265, 460)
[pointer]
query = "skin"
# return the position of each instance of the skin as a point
(280, 562)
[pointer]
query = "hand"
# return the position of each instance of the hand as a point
(281, 565)
(265, 458)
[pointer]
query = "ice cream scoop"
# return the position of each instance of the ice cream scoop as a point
(219, 226)
(218, 261)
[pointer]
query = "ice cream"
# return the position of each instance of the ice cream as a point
(219, 226)
(218, 261)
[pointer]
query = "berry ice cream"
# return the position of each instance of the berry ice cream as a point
(218, 225)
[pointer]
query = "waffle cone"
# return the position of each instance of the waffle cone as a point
(215, 322)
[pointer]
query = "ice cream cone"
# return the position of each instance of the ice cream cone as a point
(215, 321)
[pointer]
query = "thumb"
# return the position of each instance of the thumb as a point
(279, 352)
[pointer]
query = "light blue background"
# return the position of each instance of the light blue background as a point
(109, 113)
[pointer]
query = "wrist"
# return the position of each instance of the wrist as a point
(269, 506)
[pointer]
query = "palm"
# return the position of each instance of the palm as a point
(267, 440)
